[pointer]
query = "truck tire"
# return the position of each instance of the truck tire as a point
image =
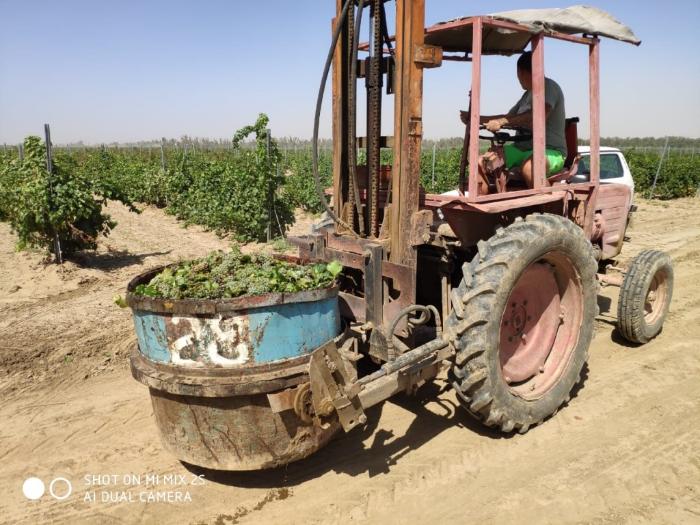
(645, 296)
(522, 321)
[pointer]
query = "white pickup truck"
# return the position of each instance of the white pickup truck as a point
(613, 167)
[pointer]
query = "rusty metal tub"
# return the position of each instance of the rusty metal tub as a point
(224, 375)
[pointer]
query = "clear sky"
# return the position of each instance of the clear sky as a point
(103, 71)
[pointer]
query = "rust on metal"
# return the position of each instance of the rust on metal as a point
(496, 206)
(227, 412)
(612, 205)
(232, 419)
(330, 374)
(223, 374)
(234, 433)
(284, 399)
(219, 382)
(408, 114)
(421, 222)
(374, 115)
(429, 56)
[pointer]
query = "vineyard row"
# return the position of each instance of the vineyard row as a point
(249, 191)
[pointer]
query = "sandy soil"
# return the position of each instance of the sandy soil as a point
(625, 450)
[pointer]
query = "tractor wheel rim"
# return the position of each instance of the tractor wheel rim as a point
(655, 300)
(540, 326)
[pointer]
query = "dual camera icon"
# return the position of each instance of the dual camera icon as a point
(59, 488)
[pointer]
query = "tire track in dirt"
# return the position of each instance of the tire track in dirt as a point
(462, 465)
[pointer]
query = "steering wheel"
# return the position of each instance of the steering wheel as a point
(501, 137)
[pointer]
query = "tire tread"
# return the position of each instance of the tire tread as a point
(474, 300)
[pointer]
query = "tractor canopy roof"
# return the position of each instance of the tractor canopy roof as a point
(456, 35)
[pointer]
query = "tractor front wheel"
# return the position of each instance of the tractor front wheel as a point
(645, 296)
(522, 322)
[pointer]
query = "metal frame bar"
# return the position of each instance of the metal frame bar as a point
(524, 193)
(539, 140)
(374, 300)
(539, 136)
(408, 128)
(340, 171)
(594, 107)
(473, 185)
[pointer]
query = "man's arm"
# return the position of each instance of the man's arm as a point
(521, 120)
(486, 118)
(464, 116)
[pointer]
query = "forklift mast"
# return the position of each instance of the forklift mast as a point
(379, 223)
(390, 192)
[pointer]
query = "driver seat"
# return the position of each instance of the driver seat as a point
(572, 156)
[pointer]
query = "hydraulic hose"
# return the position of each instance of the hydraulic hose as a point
(319, 102)
(385, 32)
(425, 312)
(352, 124)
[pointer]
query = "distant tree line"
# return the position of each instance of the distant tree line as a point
(298, 144)
(648, 142)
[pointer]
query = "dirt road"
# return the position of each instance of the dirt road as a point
(625, 450)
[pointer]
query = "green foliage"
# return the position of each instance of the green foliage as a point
(300, 185)
(280, 245)
(239, 190)
(140, 178)
(243, 194)
(679, 175)
(446, 170)
(647, 142)
(119, 301)
(233, 274)
(68, 204)
(334, 267)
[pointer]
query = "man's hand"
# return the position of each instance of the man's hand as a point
(464, 117)
(496, 124)
(489, 156)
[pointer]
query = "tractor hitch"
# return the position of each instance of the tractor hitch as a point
(336, 388)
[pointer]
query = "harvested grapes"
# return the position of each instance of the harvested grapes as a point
(222, 275)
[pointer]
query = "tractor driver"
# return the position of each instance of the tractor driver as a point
(519, 153)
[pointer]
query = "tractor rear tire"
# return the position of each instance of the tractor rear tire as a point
(522, 320)
(645, 296)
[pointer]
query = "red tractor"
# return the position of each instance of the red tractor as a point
(497, 283)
